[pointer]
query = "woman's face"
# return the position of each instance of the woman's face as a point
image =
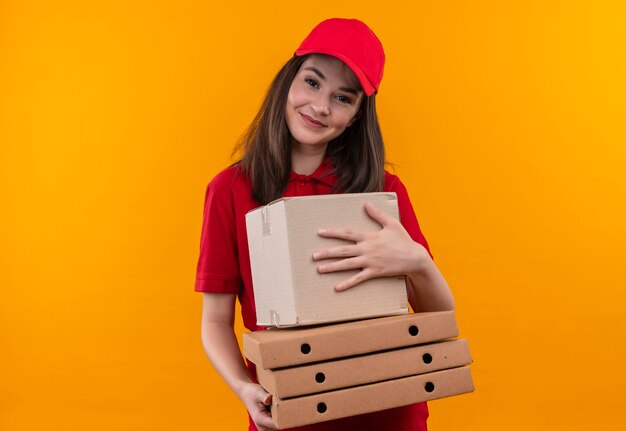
(323, 100)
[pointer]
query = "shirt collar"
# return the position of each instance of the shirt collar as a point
(323, 174)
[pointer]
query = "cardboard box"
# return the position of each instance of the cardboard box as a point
(369, 398)
(276, 348)
(288, 290)
(359, 370)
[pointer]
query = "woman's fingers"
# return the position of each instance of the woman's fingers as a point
(335, 252)
(341, 265)
(257, 401)
(342, 233)
(357, 278)
(263, 421)
(262, 417)
(356, 236)
(264, 424)
(373, 253)
(382, 218)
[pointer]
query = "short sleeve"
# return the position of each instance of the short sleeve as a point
(407, 215)
(218, 263)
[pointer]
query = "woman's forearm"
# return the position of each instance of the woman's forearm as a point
(222, 349)
(427, 288)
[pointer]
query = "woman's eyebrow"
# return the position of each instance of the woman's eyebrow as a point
(316, 71)
(349, 90)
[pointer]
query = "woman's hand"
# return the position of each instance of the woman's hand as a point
(387, 252)
(257, 401)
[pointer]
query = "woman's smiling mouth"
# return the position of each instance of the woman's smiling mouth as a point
(311, 122)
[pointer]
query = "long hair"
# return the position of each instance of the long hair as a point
(357, 155)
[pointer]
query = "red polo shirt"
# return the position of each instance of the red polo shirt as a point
(224, 267)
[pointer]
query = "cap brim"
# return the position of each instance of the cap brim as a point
(368, 88)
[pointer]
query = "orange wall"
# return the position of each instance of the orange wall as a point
(505, 120)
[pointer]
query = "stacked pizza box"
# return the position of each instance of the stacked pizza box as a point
(333, 371)
(366, 352)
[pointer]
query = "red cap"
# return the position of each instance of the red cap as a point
(351, 41)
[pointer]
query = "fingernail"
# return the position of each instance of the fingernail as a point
(321, 231)
(316, 255)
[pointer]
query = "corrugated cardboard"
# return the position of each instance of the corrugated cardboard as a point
(359, 370)
(288, 290)
(278, 348)
(369, 398)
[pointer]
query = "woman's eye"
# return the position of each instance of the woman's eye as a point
(344, 99)
(312, 82)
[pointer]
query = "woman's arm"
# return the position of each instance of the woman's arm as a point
(427, 289)
(220, 345)
(388, 252)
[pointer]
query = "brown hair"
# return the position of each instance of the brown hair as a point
(358, 154)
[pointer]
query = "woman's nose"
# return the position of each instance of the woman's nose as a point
(320, 106)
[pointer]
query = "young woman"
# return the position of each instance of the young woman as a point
(317, 132)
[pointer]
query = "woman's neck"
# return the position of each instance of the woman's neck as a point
(305, 161)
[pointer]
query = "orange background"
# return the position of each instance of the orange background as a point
(505, 120)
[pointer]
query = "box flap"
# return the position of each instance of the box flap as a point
(271, 265)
